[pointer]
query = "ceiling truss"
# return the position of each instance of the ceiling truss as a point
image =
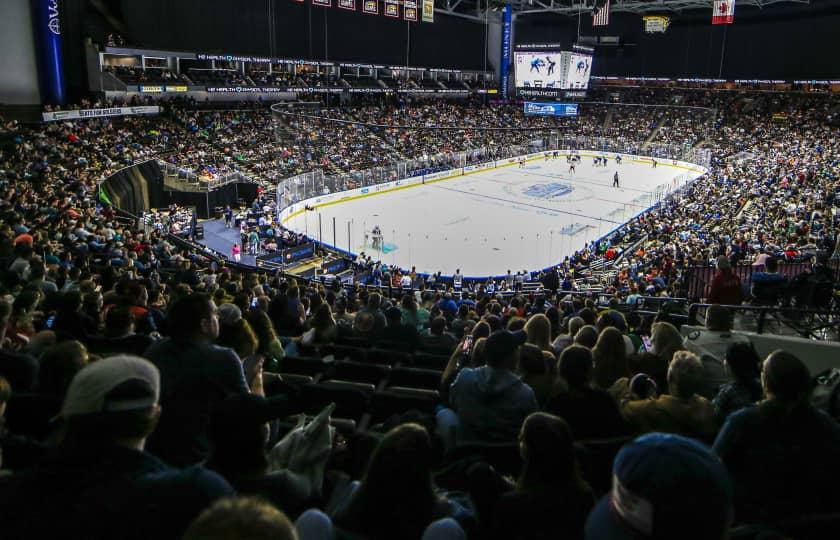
(484, 10)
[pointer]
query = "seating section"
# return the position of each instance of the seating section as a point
(368, 385)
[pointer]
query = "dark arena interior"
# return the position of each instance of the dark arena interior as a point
(420, 270)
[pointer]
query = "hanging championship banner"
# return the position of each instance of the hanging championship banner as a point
(392, 9)
(347, 4)
(370, 6)
(656, 24)
(429, 11)
(322, 3)
(410, 10)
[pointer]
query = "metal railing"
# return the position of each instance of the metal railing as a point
(202, 183)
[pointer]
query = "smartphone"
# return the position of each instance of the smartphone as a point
(647, 343)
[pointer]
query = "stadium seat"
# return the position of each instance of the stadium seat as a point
(394, 346)
(302, 365)
(344, 352)
(596, 458)
(429, 361)
(415, 378)
(439, 351)
(352, 341)
(351, 399)
(504, 456)
(768, 293)
(380, 356)
(360, 372)
(296, 380)
(398, 400)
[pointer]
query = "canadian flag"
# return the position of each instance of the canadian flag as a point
(724, 12)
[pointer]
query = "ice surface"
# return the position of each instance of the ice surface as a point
(495, 220)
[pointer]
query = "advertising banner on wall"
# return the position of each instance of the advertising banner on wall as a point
(410, 10)
(98, 113)
(370, 6)
(429, 11)
(504, 68)
(392, 9)
(45, 17)
(538, 108)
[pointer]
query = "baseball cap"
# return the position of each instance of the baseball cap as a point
(664, 487)
(114, 384)
(503, 343)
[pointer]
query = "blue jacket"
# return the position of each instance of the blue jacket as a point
(491, 404)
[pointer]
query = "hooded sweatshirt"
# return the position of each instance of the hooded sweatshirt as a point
(491, 404)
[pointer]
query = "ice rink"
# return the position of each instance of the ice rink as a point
(491, 221)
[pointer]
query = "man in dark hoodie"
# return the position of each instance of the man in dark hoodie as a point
(489, 402)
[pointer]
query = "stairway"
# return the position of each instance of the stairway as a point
(654, 133)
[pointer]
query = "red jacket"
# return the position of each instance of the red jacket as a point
(725, 289)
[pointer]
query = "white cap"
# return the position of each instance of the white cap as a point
(96, 388)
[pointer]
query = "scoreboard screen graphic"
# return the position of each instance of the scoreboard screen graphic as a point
(538, 69)
(552, 70)
(578, 72)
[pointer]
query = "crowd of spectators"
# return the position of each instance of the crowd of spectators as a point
(146, 391)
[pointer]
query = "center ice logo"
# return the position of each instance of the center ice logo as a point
(547, 191)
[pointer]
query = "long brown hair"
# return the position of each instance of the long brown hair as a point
(549, 457)
(396, 498)
(610, 356)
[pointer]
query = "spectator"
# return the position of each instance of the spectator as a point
(682, 412)
(744, 365)
(102, 482)
(5, 396)
(58, 365)
(239, 431)
(119, 334)
(269, 344)
(780, 452)
(195, 375)
(610, 358)
(549, 499)
(564, 340)
(448, 306)
(403, 335)
(534, 371)
(538, 329)
(768, 286)
(374, 303)
(590, 412)
(18, 368)
(437, 338)
(489, 402)
(665, 341)
(726, 287)
(665, 486)
(587, 336)
(235, 332)
(324, 326)
(241, 517)
(710, 346)
(396, 498)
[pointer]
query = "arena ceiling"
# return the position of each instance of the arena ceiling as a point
(476, 9)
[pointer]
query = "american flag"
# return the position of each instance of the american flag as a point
(602, 16)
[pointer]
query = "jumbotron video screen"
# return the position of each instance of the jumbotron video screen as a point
(553, 70)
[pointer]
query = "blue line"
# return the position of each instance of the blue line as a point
(525, 204)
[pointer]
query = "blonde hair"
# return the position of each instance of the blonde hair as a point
(538, 329)
(666, 340)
